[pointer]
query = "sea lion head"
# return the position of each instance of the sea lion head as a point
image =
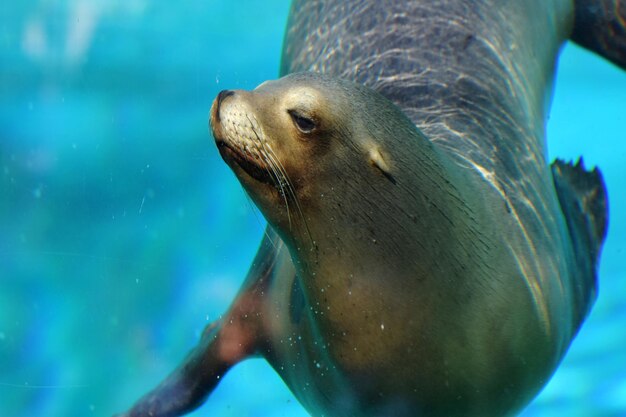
(313, 151)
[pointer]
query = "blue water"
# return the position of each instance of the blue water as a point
(122, 233)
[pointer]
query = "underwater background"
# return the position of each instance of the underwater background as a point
(122, 232)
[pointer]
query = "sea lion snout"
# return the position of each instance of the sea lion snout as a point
(218, 102)
(215, 118)
(220, 98)
(239, 136)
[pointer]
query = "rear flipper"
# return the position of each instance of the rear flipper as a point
(240, 334)
(600, 26)
(583, 200)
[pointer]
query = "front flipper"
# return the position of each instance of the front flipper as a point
(238, 335)
(189, 385)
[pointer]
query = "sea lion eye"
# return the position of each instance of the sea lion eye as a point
(303, 123)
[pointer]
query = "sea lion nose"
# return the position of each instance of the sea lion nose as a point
(220, 98)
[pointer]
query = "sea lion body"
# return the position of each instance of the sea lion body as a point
(422, 258)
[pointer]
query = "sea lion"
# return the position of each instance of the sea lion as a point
(421, 258)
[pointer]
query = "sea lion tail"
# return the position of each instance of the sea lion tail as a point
(600, 26)
(583, 200)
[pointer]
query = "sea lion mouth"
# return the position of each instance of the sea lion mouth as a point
(252, 166)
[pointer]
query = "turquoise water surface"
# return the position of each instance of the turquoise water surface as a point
(122, 232)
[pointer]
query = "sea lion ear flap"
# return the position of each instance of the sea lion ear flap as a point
(377, 160)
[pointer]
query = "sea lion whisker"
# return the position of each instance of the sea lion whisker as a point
(291, 189)
(256, 216)
(272, 160)
(279, 183)
(273, 173)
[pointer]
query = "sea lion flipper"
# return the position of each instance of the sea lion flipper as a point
(583, 200)
(223, 344)
(187, 387)
(238, 335)
(600, 26)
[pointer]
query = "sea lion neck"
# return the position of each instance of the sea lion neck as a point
(376, 229)
(380, 247)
